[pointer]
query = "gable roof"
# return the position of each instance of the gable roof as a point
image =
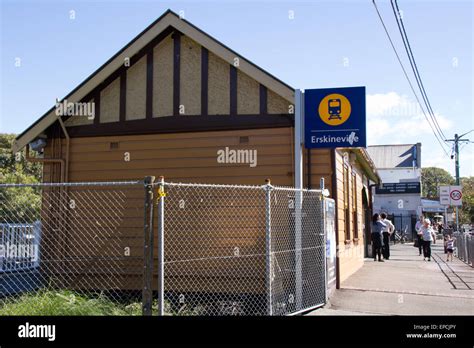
(393, 156)
(168, 19)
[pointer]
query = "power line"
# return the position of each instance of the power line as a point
(411, 57)
(408, 79)
(472, 130)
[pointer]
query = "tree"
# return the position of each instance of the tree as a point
(11, 163)
(466, 214)
(18, 204)
(431, 178)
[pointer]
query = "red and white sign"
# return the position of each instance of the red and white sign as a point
(450, 195)
(455, 194)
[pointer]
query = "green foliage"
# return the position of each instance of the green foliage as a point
(466, 214)
(50, 302)
(47, 302)
(431, 178)
(18, 204)
(16, 163)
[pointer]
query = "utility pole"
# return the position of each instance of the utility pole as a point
(457, 139)
(456, 158)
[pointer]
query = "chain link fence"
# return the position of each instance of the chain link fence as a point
(83, 241)
(242, 250)
(161, 248)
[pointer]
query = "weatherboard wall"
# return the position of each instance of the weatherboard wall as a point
(180, 81)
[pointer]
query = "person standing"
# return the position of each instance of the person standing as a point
(386, 233)
(418, 226)
(449, 246)
(428, 236)
(377, 241)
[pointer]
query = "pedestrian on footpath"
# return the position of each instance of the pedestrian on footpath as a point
(428, 236)
(377, 241)
(449, 246)
(386, 233)
(418, 226)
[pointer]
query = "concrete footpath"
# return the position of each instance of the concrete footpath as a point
(406, 285)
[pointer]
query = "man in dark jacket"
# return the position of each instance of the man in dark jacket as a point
(386, 233)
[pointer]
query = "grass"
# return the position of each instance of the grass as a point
(48, 302)
(56, 303)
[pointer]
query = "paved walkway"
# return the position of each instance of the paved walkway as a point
(406, 285)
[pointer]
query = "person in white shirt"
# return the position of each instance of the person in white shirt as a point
(428, 236)
(418, 226)
(386, 233)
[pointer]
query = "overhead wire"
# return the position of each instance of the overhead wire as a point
(411, 57)
(408, 79)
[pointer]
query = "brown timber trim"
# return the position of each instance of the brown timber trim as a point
(97, 107)
(149, 85)
(176, 71)
(123, 95)
(233, 90)
(308, 168)
(147, 50)
(263, 100)
(334, 196)
(182, 124)
(204, 80)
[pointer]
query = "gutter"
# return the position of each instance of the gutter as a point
(66, 134)
(45, 160)
(64, 164)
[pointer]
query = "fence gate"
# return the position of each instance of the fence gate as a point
(241, 250)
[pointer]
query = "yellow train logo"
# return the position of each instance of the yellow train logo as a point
(334, 109)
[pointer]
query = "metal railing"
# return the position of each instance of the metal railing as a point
(19, 246)
(172, 248)
(464, 247)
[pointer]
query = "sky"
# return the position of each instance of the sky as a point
(49, 47)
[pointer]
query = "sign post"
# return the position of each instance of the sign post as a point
(298, 137)
(451, 196)
(455, 194)
(324, 118)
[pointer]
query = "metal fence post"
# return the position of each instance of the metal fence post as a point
(268, 245)
(148, 247)
(324, 231)
(161, 249)
(298, 249)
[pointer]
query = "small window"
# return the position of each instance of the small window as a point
(354, 206)
(347, 214)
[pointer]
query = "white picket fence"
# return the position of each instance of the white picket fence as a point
(19, 246)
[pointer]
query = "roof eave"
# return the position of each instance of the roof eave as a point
(169, 18)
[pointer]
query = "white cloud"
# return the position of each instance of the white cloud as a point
(397, 119)
(394, 118)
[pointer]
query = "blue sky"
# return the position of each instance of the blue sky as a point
(326, 44)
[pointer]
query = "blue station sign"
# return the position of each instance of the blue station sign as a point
(335, 117)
